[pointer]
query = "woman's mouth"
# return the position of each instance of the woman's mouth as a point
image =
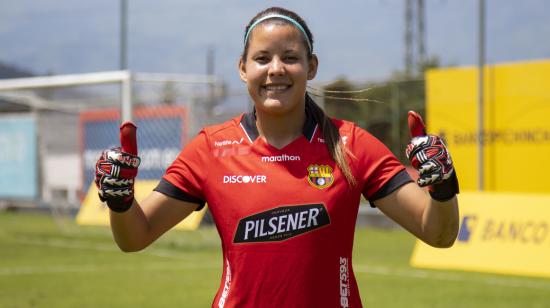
(277, 88)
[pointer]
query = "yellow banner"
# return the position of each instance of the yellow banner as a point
(94, 212)
(499, 233)
(516, 126)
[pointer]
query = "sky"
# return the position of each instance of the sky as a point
(362, 40)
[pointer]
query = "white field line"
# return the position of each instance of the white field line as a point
(61, 243)
(379, 270)
(422, 274)
(64, 269)
(149, 266)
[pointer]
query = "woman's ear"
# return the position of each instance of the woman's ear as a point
(312, 69)
(242, 70)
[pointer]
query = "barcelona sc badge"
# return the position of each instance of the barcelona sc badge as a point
(320, 176)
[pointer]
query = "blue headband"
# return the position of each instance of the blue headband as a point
(294, 22)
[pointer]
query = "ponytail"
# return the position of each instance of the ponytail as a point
(336, 148)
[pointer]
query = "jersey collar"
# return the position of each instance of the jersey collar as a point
(248, 123)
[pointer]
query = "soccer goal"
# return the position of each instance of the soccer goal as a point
(52, 129)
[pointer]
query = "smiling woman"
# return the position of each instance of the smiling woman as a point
(282, 63)
(283, 183)
(276, 68)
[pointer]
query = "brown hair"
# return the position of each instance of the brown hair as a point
(285, 12)
(331, 134)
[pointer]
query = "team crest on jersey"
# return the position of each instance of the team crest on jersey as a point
(320, 176)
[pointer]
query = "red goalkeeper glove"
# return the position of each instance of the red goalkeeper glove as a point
(429, 155)
(116, 171)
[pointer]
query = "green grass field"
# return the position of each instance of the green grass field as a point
(53, 263)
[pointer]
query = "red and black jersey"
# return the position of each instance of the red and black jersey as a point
(286, 217)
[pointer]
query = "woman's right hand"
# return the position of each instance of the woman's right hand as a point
(116, 170)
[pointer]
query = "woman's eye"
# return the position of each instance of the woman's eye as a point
(291, 59)
(261, 59)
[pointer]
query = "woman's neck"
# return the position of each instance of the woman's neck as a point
(280, 130)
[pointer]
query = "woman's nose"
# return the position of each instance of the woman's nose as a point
(276, 67)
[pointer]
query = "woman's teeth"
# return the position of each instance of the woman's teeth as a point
(276, 87)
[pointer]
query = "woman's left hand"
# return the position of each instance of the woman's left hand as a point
(429, 155)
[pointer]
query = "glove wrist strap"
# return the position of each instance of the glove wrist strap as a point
(120, 205)
(445, 190)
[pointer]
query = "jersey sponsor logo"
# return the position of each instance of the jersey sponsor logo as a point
(223, 143)
(320, 176)
(244, 179)
(344, 282)
(344, 139)
(226, 286)
(281, 223)
(283, 157)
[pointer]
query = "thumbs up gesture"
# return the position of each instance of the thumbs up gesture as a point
(429, 155)
(116, 170)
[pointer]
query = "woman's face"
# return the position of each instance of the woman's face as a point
(277, 68)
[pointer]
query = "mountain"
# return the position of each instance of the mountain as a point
(12, 71)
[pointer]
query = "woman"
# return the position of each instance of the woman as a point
(283, 183)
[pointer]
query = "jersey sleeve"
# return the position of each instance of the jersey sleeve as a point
(185, 177)
(379, 170)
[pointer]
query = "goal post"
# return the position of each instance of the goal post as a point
(122, 77)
